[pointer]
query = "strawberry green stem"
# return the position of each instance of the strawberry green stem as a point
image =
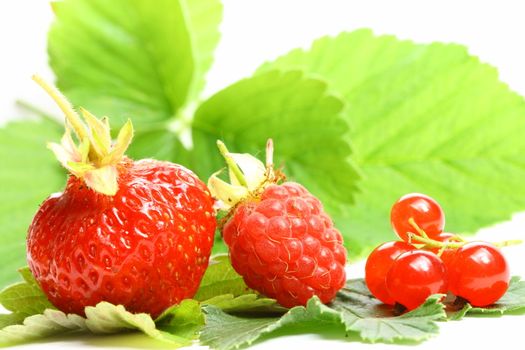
(231, 163)
(71, 116)
(269, 160)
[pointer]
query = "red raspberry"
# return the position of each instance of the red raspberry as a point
(280, 239)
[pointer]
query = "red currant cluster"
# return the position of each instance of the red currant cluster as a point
(429, 261)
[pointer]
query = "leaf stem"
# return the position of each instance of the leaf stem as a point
(231, 163)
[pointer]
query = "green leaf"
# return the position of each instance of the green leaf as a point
(25, 298)
(203, 19)
(303, 119)
(425, 118)
(131, 59)
(224, 331)
(511, 302)
(252, 303)
(11, 319)
(224, 288)
(105, 318)
(51, 322)
(184, 319)
(28, 175)
(220, 278)
(374, 321)
(353, 310)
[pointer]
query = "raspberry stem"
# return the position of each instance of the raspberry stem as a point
(269, 160)
(231, 163)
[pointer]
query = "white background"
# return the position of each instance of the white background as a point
(258, 30)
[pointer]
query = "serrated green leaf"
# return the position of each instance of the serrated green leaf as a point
(27, 276)
(184, 319)
(353, 310)
(374, 321)
(50, 323)
(512, 301)
(220, 278)
(105, 318)
(11, 319)
(29, 174)
(303, 119)
(133, 60)
(252, 303)
(25, 298)
(158, 143)
(203, 19)
(425, 118)
(224, 331)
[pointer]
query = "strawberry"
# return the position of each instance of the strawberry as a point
(279, 237)
(135, 233)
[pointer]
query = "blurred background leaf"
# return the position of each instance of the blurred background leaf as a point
(29, 173)
(301, 117)
(424, 118)
(133, 59)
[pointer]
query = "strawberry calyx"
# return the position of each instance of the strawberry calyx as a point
(95, 157)
(248, 177)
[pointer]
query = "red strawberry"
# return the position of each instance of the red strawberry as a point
(279, 237)
(135, 233)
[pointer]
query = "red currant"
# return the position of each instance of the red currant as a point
(378, 264)
(414, 276)
(479, 273)
(425, 211)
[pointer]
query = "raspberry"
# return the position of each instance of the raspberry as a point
(281, 241)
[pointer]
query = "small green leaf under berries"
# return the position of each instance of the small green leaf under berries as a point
(252, 303)
(106, 318)
(513, 301)
(224, 331)
(25, 298)
(10, 319)
(184, 319)
(220, 278)
(354, 310)
(361, 312)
